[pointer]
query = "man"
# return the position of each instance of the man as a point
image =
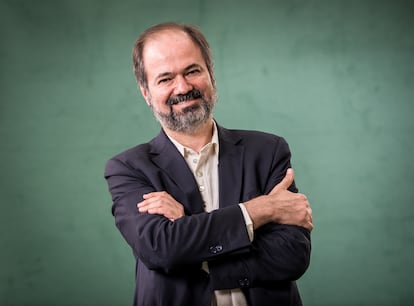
(212, 215)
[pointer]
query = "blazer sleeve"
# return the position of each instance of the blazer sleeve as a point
(277, 253)
(160, 243)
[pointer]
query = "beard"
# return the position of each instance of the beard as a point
(190, 118)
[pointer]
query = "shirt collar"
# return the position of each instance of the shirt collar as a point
(185, 151)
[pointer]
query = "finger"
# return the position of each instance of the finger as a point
(286, 182)
(146, 204)
(143, 204)
(152, 204)
(148, 199)
(155, 208)
(146, 196)
(143, 207)
(151, 194)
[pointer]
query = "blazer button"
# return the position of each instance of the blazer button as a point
(216, 249)
(244, 282)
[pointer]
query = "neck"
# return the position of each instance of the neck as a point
(196, 140)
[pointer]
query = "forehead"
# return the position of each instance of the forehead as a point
(170, 50)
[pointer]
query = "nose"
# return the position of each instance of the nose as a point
(181, 85)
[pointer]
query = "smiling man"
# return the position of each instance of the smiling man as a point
(212, 215)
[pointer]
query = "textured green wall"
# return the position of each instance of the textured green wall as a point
(335, 78)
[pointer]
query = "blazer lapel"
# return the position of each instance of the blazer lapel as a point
(230, 167)
(168, 159)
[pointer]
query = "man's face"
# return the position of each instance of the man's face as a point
(180, 91)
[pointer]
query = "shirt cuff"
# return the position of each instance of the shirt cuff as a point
(204, 266)
(248, 221)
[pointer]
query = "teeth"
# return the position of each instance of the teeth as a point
(181, 102)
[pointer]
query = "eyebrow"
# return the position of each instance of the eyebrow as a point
(164, 74)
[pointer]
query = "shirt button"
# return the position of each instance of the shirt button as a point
(199, 173)
(195, 161)
(202, 188)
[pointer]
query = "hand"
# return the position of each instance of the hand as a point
(281, 206)
(290, 208)
(161, 203)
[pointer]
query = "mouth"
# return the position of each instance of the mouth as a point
(181, 102)
(185, 98)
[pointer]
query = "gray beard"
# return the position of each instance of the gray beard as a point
(187, 121)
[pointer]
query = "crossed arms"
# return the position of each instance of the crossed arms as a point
(166, 238)
(279, 206)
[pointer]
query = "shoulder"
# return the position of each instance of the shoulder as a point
(127, 161)
(144, 150)
(140, 150)
(256, 145)
(132, 155)
(250, 137)
(139, 155)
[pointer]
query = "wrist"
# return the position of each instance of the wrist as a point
(259, 211)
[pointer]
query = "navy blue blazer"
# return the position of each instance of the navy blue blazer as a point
(169, 254)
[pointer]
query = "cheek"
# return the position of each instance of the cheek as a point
(207, 88)
(160, 97)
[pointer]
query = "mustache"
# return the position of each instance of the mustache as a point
(191, 95)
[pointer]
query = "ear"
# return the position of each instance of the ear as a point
(145, 94)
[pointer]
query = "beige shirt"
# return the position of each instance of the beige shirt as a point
(204, 166)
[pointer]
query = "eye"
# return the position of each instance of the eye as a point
(193, 71)
(164, 80)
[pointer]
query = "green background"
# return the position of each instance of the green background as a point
(335, 78)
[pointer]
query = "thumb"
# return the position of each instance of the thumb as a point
(285, 183)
